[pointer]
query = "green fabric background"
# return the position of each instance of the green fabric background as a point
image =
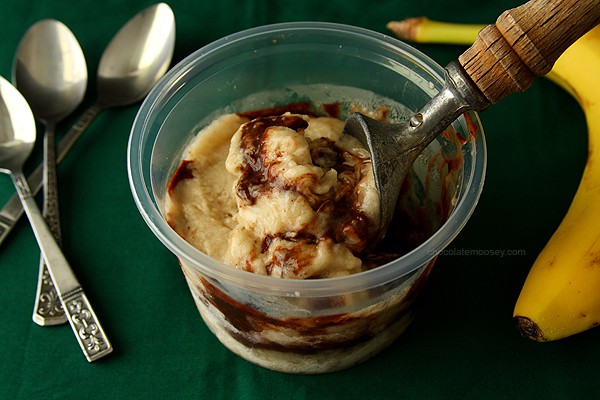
(462, 345)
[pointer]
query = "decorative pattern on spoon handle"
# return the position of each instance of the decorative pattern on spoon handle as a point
(85, 325)
(50, 185)
(47, 307)
(12, 210)
(82, 318)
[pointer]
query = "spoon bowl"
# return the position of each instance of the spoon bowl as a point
(50, 70)
(17, 134)
(137, 56)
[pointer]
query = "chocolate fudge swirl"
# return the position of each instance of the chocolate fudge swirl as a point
(255, 176)
(337, 209)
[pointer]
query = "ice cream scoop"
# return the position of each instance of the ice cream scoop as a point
(523, 44)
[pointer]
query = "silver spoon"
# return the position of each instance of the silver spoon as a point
(137, 56)
(50, 72)
(524, 43)
(17, 138)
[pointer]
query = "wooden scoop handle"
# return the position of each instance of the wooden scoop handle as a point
(525, 43)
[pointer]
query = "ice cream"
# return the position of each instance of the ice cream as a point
(287, 195)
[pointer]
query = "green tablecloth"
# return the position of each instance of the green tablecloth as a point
(462, 344)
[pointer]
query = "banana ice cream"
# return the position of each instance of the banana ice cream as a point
(286, 195)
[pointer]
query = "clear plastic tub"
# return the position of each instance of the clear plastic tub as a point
(322, 325)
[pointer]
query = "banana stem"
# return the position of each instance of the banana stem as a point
(425, 30)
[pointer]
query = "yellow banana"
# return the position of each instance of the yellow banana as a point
(561, 295)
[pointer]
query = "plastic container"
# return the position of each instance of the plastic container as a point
(308, 326)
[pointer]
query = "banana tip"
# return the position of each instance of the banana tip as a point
(529, 329)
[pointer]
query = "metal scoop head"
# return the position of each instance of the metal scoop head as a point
(394, 147)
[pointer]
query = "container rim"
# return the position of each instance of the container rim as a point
(141, 185)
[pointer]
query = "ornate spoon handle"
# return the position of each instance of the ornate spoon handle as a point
(48, 309)
(81, 316)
